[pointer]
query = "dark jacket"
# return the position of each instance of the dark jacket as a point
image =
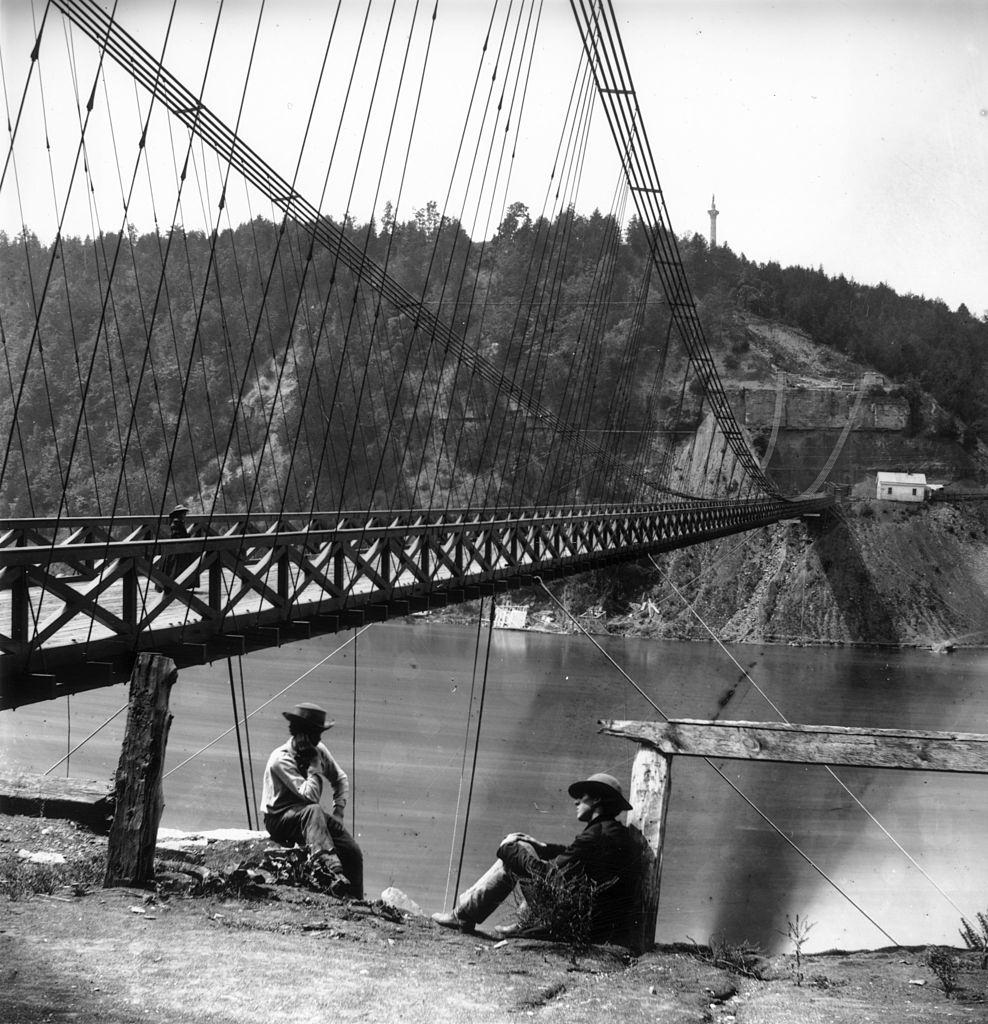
(605, 853)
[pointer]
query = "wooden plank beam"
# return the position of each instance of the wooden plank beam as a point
(810, 744)
(85, 801)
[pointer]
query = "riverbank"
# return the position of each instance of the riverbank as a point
(878, 575)
(550, 621)
(93, 956)
(403, 701)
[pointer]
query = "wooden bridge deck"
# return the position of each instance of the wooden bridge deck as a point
(78, 599)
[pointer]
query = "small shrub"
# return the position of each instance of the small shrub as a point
(560, 907)
(941, 963)
(797, 932)
(975, 939)
(737, 957)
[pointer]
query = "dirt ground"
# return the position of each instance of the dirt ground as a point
(77, 952)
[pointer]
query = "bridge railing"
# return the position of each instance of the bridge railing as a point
(77, 594)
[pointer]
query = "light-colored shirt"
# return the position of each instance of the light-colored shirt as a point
(285, 786)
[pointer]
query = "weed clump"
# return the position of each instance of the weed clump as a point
(561, 907)
(741, 958)
(977, 938)
(941, 963)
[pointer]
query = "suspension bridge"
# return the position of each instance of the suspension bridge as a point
(367, 416)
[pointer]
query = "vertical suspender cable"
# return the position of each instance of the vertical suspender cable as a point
(240, 749)
(353, 742)
(476, 744)
(463, 762)
(250, 756)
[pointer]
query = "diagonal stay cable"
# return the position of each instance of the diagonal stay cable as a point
(270, 700)
(802, 853)
(840, 782)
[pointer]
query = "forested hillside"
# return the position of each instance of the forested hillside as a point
(209, 374)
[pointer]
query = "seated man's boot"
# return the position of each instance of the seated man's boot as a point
(453, 920)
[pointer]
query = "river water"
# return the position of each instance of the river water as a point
(406, 699)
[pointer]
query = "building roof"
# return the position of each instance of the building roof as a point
(903, 479)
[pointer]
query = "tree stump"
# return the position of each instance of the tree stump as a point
(139, 796)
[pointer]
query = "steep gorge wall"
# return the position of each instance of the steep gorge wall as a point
(819, 409)
(811, 424)
(879, 572)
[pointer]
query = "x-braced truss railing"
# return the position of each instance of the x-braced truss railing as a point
(78, 602)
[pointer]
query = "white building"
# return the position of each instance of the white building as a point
(901, 487)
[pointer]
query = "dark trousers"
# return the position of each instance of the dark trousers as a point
(309, 825)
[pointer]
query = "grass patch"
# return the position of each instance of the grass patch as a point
(20, 879)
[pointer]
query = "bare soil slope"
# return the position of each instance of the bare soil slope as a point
(80, 953)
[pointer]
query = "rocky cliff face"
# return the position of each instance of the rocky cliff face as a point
(877, 572)
(820, 407)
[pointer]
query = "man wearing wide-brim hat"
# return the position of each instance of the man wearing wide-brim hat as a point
(604, 854)
(299, 775)
(175, 565)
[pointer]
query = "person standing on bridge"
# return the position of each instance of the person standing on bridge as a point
(298, 775)
(175, 565)
(604, 855)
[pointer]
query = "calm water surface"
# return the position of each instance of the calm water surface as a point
(407, 704)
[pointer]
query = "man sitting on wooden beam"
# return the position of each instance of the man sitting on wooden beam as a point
(296, 776)
(594, 876)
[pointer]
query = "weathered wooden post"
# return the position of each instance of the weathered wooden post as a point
(139, 798)
(651, 781)
(832, 745)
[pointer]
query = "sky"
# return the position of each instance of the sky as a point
(847, 136)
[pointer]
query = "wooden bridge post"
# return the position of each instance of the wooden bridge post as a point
(129, 595)
(139, 797)
(284, 577)
(831, 745)
(651, 783)
(20, 607)
(214, 576)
